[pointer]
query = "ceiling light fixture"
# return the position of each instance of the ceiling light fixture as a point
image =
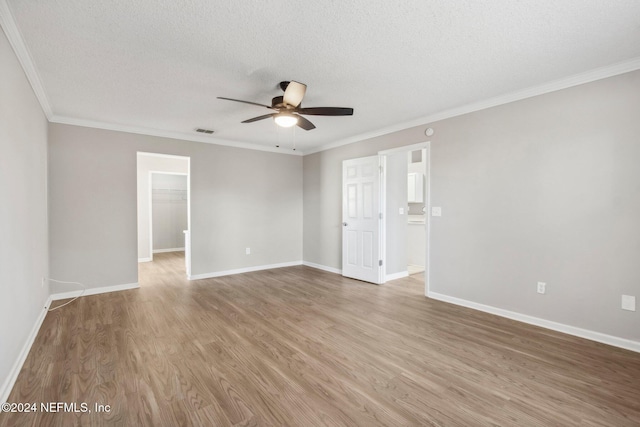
(286, 120)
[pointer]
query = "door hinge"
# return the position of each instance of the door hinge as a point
(380, 263)
(381, 168)
(380, 215)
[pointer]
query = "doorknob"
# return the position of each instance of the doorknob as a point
(345, 224)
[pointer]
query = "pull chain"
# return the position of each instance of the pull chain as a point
(294, 138)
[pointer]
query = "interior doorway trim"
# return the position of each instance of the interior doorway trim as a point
(405, 148)
(187, 249)
(383, 205)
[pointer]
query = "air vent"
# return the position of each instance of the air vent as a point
(207, 131)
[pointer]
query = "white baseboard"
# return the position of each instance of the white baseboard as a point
(548, 324)
(94, 291)
(322, 267)
(161, 251)
(395, 276)
(242, 270)
(149, 259)
(6, 388)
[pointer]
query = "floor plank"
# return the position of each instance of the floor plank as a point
(302, 347)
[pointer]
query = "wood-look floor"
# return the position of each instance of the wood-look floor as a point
(301, 347)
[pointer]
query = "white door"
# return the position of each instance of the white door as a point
(361, 219)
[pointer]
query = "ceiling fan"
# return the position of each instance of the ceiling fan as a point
(289, 107)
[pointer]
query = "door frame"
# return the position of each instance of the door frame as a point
(377, 179)
(383, 205)
(187, 248)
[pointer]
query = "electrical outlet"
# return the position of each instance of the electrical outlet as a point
(401, 211)
(542, 287)
(247, 251)
(629, 302)
(436, 211)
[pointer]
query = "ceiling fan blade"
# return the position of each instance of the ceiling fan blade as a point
(255, 119)
(326, 111)
(294, 93)
(305, 124)
(246, 102)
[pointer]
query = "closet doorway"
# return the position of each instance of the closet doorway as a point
(164, 209)
(168, 216)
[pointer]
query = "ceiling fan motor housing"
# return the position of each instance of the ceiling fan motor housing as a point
(284, 84)
(278, 102)
(288, 107)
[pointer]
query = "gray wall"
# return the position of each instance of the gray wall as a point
(23, 211)
(543, 189)
(240, 198)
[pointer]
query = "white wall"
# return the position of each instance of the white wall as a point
(239, 198)
(416, 244)
(543, 189)
(417, 167)
(23, 214)
(417, 234)
(396, 223)
(145, 164)
(169, 211)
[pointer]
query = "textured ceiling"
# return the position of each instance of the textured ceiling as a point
(159, 65)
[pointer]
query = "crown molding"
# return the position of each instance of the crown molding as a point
(8, 24)
(166, 156)
(553, 86)
(167, 134)
(16, 41)
(556, 85)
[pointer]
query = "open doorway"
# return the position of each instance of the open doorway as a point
(169, 212)
(416, 211)
(163, 213)
(404, 203)
(385, 226)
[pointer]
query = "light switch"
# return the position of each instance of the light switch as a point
(401, 211)
(436, 211)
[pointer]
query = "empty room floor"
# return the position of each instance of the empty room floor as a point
(302, 347)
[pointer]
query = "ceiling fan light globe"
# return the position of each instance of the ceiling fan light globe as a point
(285, 120)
